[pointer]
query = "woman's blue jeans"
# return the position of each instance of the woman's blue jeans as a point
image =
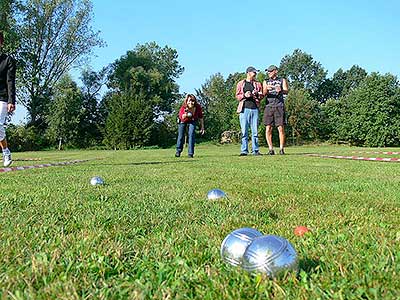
(181, 137)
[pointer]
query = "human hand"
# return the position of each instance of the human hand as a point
(278, 88)
(257, 94)
(247, 94)
(10, 107)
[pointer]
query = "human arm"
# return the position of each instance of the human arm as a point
(285, 87)
(267, 87)
(201, 120)
(260, 93)
(182, 113)
(239, 92)
(11, 70)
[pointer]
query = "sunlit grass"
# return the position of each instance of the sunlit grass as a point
(150, 233)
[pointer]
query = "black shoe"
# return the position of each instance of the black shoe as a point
(257, 153)
(190, 155)
(281, 152)
(243, 154)
(271, 152)
(177, 154)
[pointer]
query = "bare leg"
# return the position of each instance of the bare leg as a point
(268, 136)
(281, 130)
(3, 144)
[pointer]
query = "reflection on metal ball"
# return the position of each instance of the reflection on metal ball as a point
(96, 181)
(216, 194)
(234, 245)
(270, 254)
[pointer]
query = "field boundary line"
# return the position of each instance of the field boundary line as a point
(383, 159)
(377, 152)
(63, 163)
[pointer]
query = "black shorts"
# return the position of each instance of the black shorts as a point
(274, 115)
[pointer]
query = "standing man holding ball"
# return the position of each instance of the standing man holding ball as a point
(249, 94)
(274, 89)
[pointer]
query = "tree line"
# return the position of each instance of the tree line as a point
(133, 101)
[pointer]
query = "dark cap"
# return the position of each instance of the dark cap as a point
(271, 68)
(252, 69)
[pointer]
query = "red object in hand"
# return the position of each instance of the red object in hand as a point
(301, 230)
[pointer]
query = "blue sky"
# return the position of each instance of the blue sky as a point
(227, 36)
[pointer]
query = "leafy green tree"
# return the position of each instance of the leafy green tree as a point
(130, 121)
(231, 83)
(7, 24)
(218, 104)
(151, 71)
(91, 123)
(25, 138)
(143, 77)
(303, 113)
(54, 36)
(370, 113)
(65, 112)
(347, 81)
(302, 71)
(331, 112)
(341, 84)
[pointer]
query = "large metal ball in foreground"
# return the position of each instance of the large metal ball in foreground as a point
(216, 194)
(235, 244)
(270, 254)
(96, 181)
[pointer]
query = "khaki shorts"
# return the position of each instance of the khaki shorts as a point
(274, 115)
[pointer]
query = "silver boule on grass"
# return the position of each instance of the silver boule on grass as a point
(235, 243)
(96, 180)
(216, 194)
(270, 254)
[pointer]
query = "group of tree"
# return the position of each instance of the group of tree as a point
(134, 101)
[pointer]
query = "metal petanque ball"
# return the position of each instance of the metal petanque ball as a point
(270, 254)
(235, 244)
(96, 181)
(215, 194)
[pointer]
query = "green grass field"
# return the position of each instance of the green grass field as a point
(150, 233)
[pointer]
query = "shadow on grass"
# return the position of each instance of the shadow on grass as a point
(310, 265)
(147, 163)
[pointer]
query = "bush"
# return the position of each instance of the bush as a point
(25, 138)
(369, 116)
(303, 116)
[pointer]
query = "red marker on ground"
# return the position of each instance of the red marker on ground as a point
(301, 230)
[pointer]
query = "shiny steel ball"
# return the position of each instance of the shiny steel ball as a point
(96, 181)
(271, 255)
(234, 245)
(216, 194)
(189, 114)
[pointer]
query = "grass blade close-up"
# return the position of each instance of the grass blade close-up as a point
(149, 232)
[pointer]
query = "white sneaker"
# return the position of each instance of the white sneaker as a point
(7, 160)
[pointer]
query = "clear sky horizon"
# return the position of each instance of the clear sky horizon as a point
(227, 36)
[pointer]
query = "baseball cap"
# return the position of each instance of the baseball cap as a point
(252, 69)
(271, 68)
